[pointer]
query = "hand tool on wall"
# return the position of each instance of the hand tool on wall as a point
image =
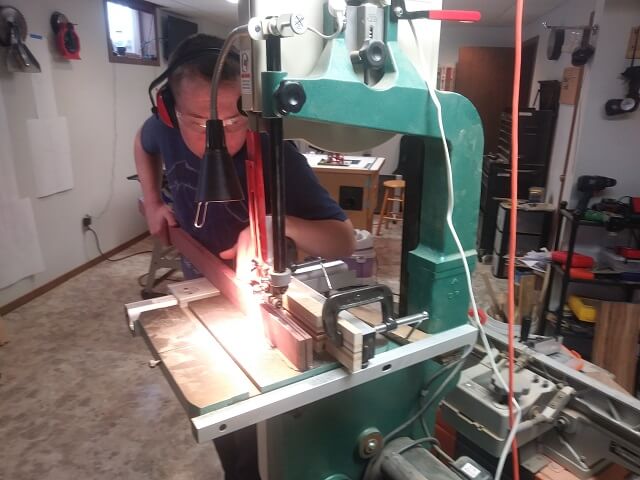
(13, 34)
(67, 39)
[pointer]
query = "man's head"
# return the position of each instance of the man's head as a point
(190, 84)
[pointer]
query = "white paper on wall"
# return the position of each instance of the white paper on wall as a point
(8, 184)
(43, 91)
(50, 155)
(20, 254)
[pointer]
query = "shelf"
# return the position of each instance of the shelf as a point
(586, 223)
(597, 281)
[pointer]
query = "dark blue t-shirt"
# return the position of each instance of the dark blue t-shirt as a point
(305, 197)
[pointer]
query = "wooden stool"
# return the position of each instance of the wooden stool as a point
(390, 186)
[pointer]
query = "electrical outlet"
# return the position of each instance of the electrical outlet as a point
(86, 222)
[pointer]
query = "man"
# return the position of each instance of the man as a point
(314, 222)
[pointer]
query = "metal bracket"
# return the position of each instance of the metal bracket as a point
(133, 310)
(594, 28)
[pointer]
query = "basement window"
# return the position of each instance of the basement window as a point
(131, 32)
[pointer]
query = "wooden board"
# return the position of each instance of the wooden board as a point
(192, 290)
(633, 47)
(302, 335)
(203, 376)
(615, 345)
(352, 361)
(527, 297)
(318, 339)
(282, 332)
(305, 304)
(215, 270)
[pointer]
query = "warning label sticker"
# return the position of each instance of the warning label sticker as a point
(246, 84)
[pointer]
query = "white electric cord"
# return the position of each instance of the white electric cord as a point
(449, 216)
(340, 26)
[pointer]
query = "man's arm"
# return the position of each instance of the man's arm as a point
(322, 238)
(157, 213)
(328, 239)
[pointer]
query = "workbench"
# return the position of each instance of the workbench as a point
(354, 186)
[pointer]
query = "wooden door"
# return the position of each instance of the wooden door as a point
(485, 76)
(529, 52)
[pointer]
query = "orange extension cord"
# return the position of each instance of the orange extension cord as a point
(515, 108)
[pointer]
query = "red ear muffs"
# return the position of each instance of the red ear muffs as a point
(163, 104)
(165, 107)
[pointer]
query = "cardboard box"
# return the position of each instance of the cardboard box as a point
(571, 83)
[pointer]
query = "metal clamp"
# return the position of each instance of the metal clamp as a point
(355, 298)
(364, 296)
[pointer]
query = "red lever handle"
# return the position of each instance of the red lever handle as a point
(467, 16)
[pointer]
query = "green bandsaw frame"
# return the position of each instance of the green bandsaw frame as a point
(319, 441)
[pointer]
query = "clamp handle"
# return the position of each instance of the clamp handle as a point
(399, 8)
(465, 16)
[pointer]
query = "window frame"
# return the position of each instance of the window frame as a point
(141, 6)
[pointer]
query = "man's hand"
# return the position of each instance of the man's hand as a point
(328, 239)
(159, 218)
(242, 252)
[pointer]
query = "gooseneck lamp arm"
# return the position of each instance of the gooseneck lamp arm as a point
(218, 180)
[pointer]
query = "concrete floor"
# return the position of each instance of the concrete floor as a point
(77, 398)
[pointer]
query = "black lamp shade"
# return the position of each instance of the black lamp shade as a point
(218, 180)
